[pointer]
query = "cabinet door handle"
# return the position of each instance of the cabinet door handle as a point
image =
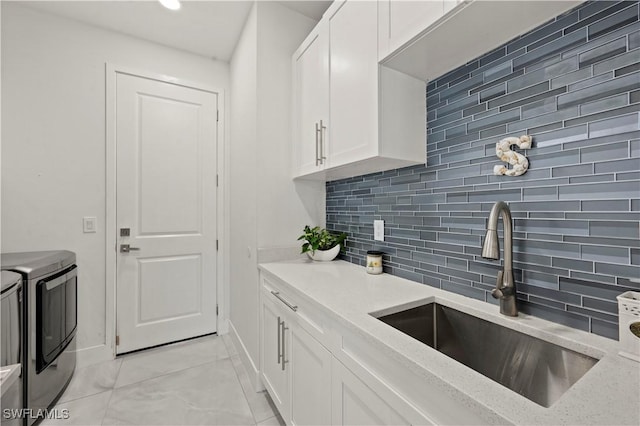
(317, 142)
(280, 298)
(279, 340)
(322, 129)
(284, 360)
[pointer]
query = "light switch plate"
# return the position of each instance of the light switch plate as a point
(378, 230)
(89, 224)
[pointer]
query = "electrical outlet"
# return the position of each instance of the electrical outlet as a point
(89, 224)
(378, 230)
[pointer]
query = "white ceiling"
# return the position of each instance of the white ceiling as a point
(209, 28)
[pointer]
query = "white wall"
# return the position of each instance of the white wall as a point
(243, 275)
(267, 208)
(291, 205)
(53, 138)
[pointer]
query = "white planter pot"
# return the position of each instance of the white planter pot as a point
(325, 255)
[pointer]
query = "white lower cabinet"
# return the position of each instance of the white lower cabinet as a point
(318, 373)
(295, 367)
(274, 375)
(353, 403)
(310, 367)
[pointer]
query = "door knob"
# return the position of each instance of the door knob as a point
(126, 248)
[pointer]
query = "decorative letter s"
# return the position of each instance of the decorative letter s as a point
(518, 161)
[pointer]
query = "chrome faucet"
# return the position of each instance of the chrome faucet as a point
(505, 286)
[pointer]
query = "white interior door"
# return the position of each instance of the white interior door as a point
(166, 197)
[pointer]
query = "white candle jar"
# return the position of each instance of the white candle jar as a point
(374, 262)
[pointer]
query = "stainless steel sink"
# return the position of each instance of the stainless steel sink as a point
(537, 370)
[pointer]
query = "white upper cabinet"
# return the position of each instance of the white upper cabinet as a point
(450, 4)
(353, 94)
(311, 102)
(401, 20)
(376, 117)
(428, 46)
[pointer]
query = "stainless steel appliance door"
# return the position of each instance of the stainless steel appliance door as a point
(10, 326)
(56, 313)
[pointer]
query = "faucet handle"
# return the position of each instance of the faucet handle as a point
(502, 290)
(497, 292)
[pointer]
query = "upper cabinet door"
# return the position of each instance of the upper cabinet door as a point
(311, 102)
(449, 4)
(350, 116)
(401, 20)
(353, 129)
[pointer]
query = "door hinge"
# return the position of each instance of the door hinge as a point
(217, 115)
(217, 180)
(217, 309)
(217, 245)
(117, 340)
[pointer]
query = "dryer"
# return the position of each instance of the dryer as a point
(50, 285)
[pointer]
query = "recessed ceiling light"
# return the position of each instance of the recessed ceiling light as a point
(170, 4)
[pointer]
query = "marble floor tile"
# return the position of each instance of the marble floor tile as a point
(272, 421)
(91, 380)
(83, 411)
(228, 341)
(261, 405)
(152, 363)
(209, 394)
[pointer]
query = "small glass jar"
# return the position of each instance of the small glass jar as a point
(374, 262)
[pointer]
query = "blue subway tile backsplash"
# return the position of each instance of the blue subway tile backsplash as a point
(573, 84)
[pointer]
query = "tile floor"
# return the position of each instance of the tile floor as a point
(198, 382)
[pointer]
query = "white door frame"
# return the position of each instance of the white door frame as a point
(222, 290)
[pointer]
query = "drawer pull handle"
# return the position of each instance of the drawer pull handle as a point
(280, 298)
(284, 346)
(322, 129)
(318, 130)
(280, 355)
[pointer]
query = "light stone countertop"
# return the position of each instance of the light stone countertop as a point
(608, 394)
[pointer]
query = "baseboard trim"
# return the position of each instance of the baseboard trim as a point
(223, 326)
(252, 370)
(93, 355)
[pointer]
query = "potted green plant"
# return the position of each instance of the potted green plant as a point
(320, 244)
